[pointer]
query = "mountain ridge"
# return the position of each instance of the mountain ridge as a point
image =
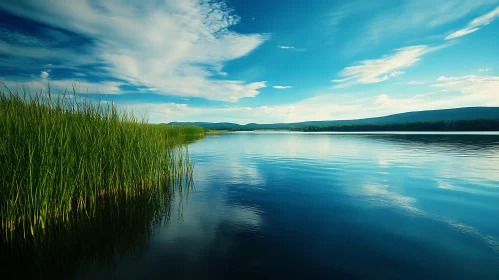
(453, 114)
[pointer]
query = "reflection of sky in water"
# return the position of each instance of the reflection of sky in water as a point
(350, 203)
(382, 170)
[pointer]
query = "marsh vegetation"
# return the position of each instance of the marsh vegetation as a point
(64, 156)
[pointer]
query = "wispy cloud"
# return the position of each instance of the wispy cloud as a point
(461, 33)
(472, 85)
(292, 48)
(81, 86)
(486, 18)
(484, 69)
(408, 18)
(475, 24)
(395, 74)
(417, 82)
(44, 75)
(382, 98)
(177, 46)
(282, 87)
(70, 56)
(379, 70)
(450, 92)
(13, 36)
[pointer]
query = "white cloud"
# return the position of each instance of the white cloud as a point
(472, 86)
(445, 92)
(452, 92)
(176, 46)
(44, 74)
(317, 108)
(292, 48)
(484, 69)
(407, 18)
(377, 70)
(475, 24)
(461, 33)
(282, 87)
(82, 86)
(339, 80)
(382, 98)
(57, 86)
(485, 19)
(417, 82)
(397, 73)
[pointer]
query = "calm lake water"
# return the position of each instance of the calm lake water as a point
(328, 206)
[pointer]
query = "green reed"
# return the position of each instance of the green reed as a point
(60, 154)
(115, 230)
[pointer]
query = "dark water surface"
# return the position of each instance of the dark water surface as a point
(328, 206)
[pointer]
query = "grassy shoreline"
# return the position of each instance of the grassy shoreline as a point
(60, 154)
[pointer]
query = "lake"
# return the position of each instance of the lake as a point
(286, 205)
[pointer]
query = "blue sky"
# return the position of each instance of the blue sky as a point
(257, 61)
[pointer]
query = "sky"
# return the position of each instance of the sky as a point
(257, 61)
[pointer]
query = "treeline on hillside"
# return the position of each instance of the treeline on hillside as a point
(470, 125)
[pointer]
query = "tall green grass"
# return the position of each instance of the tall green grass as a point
(61, 154)
(115, 231)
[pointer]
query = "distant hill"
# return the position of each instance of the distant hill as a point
(457, 114)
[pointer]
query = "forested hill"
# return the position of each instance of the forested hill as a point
(462, 125)
(457, 114)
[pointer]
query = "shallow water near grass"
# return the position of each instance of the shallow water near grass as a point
(332, 206)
